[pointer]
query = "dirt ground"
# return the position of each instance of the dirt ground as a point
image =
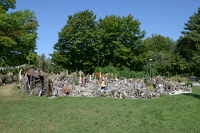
(7, 90)
(8, 93)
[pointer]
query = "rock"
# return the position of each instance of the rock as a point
(39, 83)
(66, 90)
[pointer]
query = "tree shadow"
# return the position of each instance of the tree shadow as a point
(192, 95)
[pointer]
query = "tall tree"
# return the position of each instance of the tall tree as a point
(162, 50)
(17, 37)
(158, 43)
(5, 5)
(76, 48)
(43, 63)
(120, 39)
(84, 44)
(189, 44)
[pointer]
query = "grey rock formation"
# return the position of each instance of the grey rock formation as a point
(54, 85)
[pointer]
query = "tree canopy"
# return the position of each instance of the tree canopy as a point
(162, 50)
(85, 43)
(189, 44)
(120, 39)
(17, 36)
(76, 48)
(5, 5)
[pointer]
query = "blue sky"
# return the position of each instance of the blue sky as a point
(164, 17)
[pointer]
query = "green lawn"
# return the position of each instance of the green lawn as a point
(28, 114)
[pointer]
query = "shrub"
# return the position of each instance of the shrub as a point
(107, 69)
(124, 73)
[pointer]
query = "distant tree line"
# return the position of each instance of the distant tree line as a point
(88, 44)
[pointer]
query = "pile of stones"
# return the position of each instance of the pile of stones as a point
(98, 85)
(35, 81)
(8, 78)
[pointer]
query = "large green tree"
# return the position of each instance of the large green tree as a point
(5, 5)
(76, 48)
(17, 36)
(85, 43)
(189, 44)
(162, 50)
(120, 41)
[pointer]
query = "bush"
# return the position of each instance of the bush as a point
(107, 69)
(124, 73)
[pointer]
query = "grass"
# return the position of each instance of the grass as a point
(28, 114)
(175, 79)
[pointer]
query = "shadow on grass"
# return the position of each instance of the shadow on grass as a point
(192, 95)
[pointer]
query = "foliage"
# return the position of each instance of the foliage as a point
(107, 69)
(17, 37)
(31, 57)
(85, 43)
(158, 43)
(178, 113)
(169, 64)
(6, 4)
(46, 65)
(42, 62)
(189, 44)
(76, 48)
(162, 50)
(127, 73)
(124, 73)
(120, 41)
(195, 65)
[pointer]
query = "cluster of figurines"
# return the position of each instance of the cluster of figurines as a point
(108, 85)
(34, 81)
